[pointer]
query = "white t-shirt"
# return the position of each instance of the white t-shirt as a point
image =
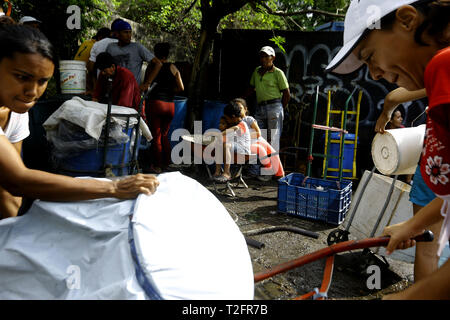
(240, 139)
(99, 47)
(17, 128)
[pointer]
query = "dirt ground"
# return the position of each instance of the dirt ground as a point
(255, 208)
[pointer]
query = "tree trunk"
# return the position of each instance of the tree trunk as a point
(212, 13)
(196, 94)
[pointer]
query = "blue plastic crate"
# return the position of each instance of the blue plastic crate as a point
(300, 197)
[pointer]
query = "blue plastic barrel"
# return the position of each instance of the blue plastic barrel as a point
(90, 162)
(334, 150)
(179, 117)
(212, 112)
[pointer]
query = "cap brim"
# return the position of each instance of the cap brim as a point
(268, 53)
(345, 61)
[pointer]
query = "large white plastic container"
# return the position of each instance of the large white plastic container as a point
(398, 151)
(72, 76)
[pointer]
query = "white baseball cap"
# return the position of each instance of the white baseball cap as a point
(26, 19)
(268, 50)
(361, 15)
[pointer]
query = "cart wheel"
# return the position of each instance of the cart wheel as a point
(337, 236)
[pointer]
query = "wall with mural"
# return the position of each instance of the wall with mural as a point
(307, 55)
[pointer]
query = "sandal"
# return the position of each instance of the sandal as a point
(221, 179)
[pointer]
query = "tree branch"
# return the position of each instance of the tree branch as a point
(186, 11)
(300, 12)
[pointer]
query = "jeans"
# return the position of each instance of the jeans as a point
(270, 117)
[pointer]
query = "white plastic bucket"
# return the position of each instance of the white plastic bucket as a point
(73, 76)
(398, 151)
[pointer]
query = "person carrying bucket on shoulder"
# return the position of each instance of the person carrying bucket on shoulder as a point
(425, 261)
(408, 43)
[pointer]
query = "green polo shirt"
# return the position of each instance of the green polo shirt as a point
(270, 85)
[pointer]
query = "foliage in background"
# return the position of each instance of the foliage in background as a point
(171, 17)
(309, 21)
(192, 23)
(52, 13)
(180, 18)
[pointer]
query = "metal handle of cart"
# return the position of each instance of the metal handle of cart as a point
(329, 252)
(107, 126)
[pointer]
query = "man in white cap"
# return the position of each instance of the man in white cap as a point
(272, 95)
(30, 21)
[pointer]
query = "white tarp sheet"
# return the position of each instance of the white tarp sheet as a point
(187, 245)
(91, 116)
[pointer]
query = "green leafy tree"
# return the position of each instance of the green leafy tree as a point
(196, 22)
(193, 23)
(54, 16)
(215, 12)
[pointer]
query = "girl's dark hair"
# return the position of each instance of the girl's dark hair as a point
(232, 109)
(162, 50)
(23, 39)
(243, 102)
(399, 109)
(437, 18)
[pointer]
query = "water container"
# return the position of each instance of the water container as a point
(398, 150)
(90, 161)
(212, 112)
(179, 118)
(72, 76)
(334, 150)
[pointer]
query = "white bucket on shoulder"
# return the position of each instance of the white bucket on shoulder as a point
(398, 151)
(72, 76)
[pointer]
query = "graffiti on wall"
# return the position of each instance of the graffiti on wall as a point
(305, 71)
(307, 55)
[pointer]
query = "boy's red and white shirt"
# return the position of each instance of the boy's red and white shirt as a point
(435, 160)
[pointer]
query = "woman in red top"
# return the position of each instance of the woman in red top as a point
(406, 42)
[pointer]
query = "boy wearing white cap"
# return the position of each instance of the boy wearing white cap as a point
(407, 42)
(272, 95)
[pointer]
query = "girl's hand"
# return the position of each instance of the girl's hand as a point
(131, 187)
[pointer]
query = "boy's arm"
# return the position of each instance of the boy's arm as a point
(392, 100)
(434, 287)
(401, 233)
